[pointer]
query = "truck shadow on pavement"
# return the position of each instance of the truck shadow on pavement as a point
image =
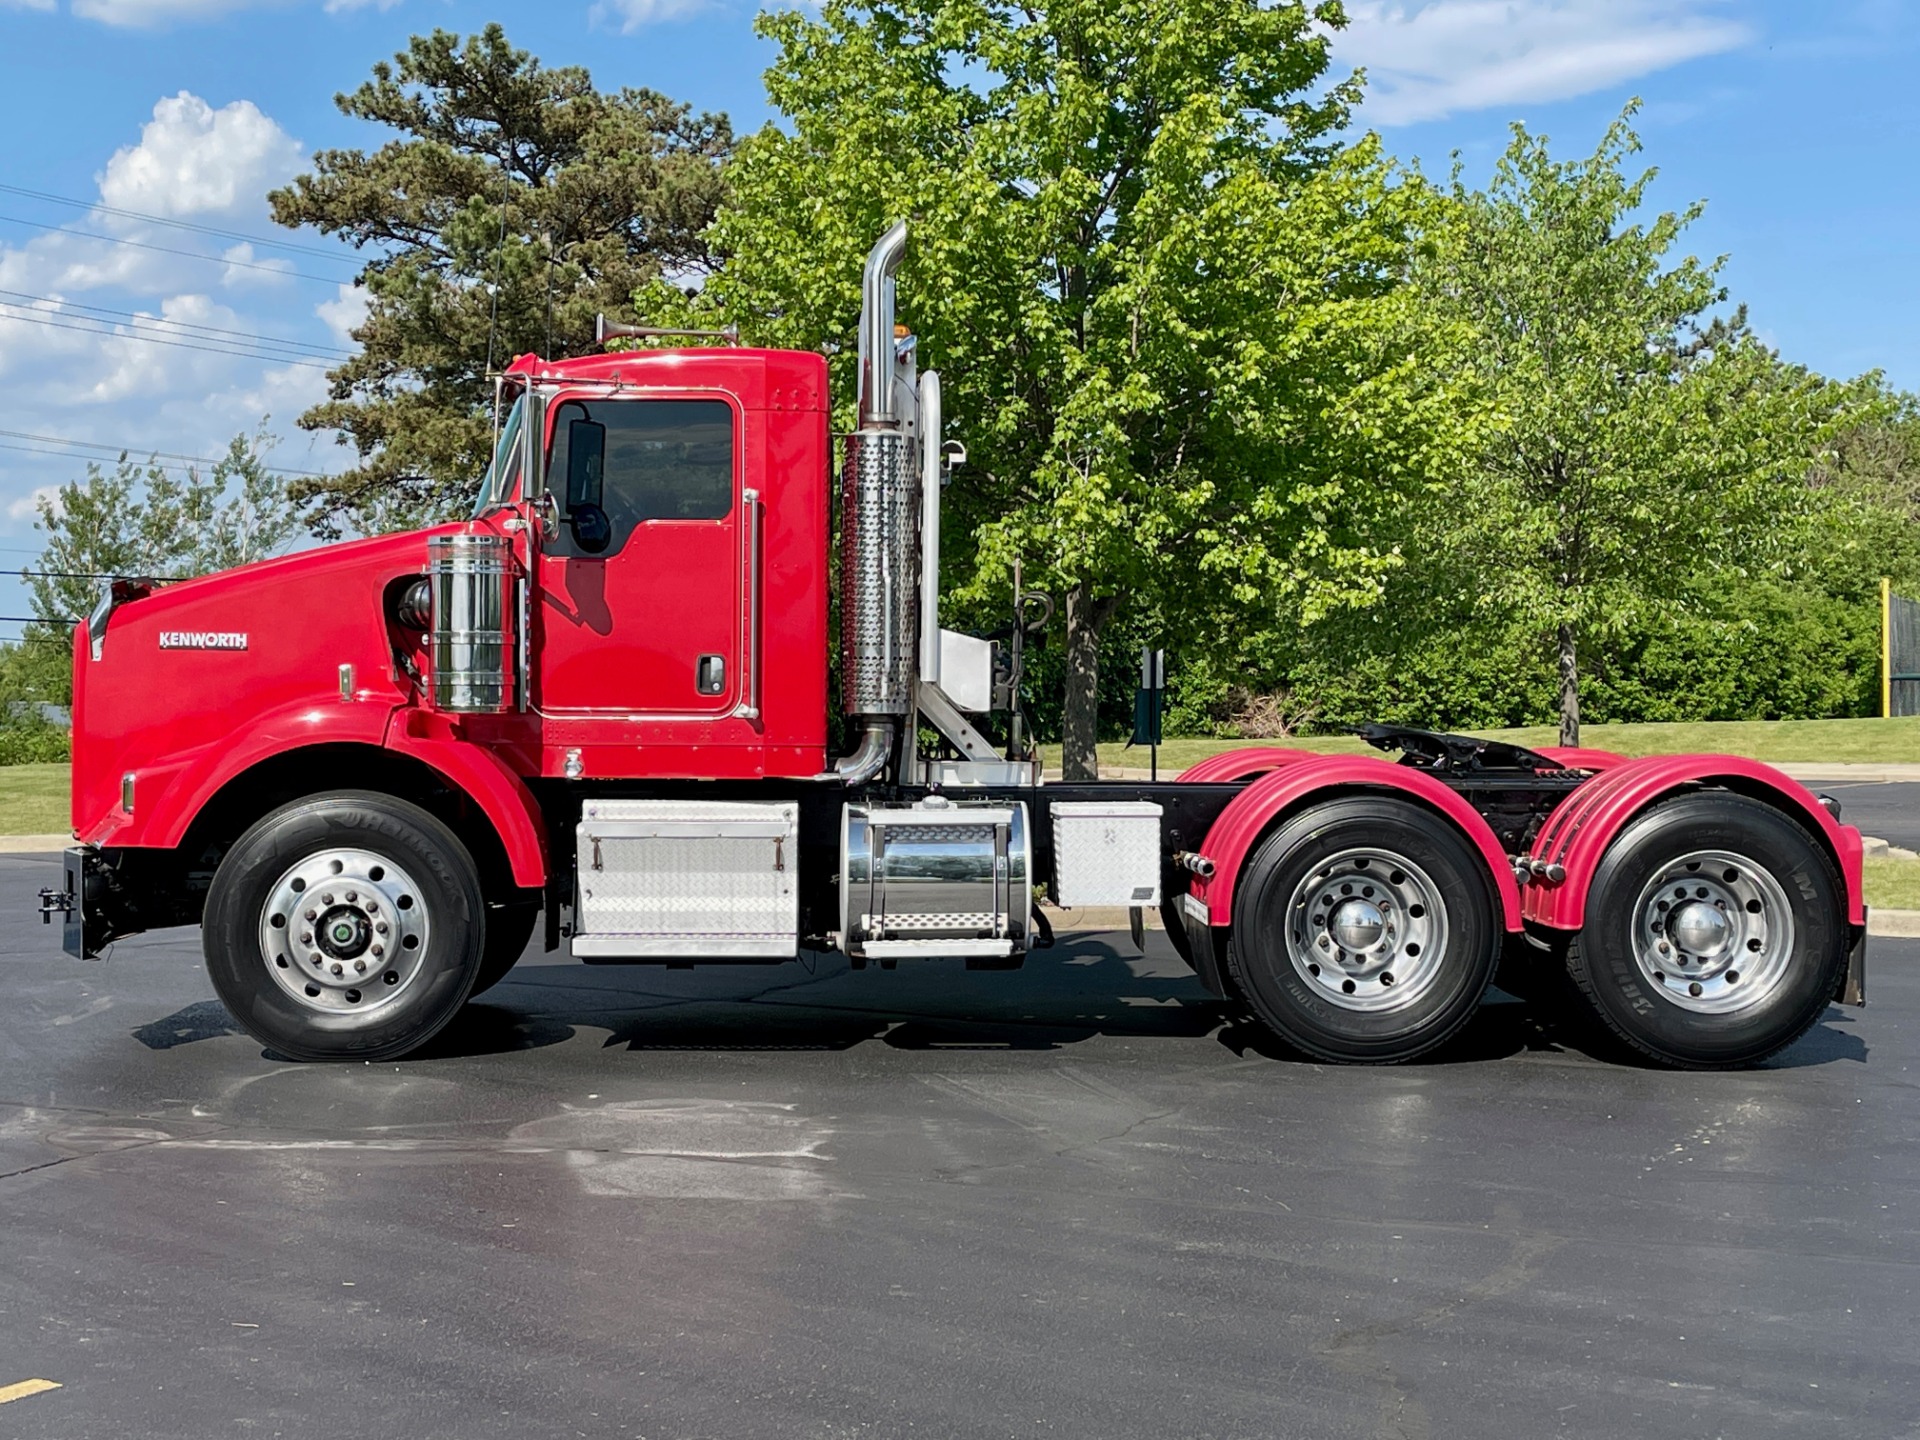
(1064, 997)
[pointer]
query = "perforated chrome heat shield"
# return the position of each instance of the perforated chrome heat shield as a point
(879, 573)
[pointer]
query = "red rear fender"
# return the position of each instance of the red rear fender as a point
(1254, 811)
(1578, 833)
(1238, 764)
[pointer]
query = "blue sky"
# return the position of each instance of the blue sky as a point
(1796, 122)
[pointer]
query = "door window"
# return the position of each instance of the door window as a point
(641, 460)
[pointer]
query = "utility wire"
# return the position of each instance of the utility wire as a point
(175, 224)
(35, 620)
(39, 318)
(168, 250)
(142, 450)
(148, 464)
(182, 325)
(79, 575)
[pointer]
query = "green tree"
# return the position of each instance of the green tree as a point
(1161, 287)
(1642, 444)
(136, 520)
(516, 203)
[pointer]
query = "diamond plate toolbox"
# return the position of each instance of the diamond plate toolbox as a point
(1106, 852)
(687, 878)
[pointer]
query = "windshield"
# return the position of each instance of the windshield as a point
(497, 484)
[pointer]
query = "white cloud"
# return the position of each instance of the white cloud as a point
(147, 13)
(27, 507)
(342, 313)
(193, 159)
(243, 267)
(1426, 60)
(627, 16)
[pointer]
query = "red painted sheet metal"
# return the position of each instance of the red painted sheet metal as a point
(1238, 764)
(504, 797)
(1578, 833)
(1249, 814)
(173, 787)
(1576, 757)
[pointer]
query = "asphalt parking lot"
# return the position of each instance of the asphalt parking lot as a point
(1891, 812)
(1076, 1200)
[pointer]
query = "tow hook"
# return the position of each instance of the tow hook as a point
(55, 902)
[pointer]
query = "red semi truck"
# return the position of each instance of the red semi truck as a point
(368, 771)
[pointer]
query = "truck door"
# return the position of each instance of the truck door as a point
(650, 625)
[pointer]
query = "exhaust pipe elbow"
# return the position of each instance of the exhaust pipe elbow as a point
(876, 327)
(868, 757)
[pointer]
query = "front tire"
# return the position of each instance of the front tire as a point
(1364, 931)
(348, 926)
(1716, 933)
(509, 928)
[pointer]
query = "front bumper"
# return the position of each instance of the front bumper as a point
(85, 902)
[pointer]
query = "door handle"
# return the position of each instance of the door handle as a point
(749, 706)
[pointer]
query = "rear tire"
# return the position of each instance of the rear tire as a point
(347, 926)
(1364, 931)
(1716, 933)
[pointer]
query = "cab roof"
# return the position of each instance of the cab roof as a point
(759, 379)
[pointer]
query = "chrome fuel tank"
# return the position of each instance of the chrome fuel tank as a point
(935, 879)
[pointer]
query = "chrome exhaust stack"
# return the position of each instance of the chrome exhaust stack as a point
(879, 533)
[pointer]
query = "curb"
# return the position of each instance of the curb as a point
(33, 844)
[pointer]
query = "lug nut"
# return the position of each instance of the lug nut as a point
(306, 937)
(379, 949)
(338, 969)
(313, 914)
(352, 895)
(381, 928)
(326, 899)
(360, 967)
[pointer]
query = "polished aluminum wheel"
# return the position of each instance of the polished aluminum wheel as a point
(1713, 932)
(1367, 930)
(344, 932)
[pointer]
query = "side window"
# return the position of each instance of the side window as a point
(655, 460)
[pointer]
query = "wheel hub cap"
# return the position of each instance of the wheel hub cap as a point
(1700, 928)
(1713, 932)
(344, 934)
(1357, 925)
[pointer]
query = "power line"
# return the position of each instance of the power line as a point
(175, 224)
(168, 250)
(142, 450)
(150, 464)
(184, 325)
(78, 575)
(32, 317)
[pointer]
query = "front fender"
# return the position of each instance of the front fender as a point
(1250, 813)
(1579, 831)
(168, 796)
(502, 795)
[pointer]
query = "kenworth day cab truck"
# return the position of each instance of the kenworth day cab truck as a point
(367, 771)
